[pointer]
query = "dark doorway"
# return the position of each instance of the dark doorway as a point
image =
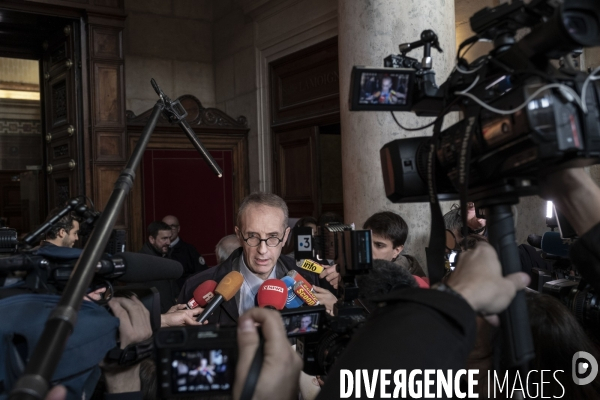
(40, 116)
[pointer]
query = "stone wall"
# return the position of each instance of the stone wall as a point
(172, 42)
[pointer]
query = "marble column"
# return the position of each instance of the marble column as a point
(370, 30)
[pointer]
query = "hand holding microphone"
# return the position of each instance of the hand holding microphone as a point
(180, 315)
(203, 294)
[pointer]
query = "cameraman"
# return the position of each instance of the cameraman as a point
(64, 233)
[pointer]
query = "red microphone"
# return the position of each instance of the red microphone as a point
(272, 294)
(203, 294)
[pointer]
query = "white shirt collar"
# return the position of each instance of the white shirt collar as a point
(174, 242)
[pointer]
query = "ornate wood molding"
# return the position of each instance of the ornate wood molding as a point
(197, 116)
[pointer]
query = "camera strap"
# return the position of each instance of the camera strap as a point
(464, 162)
(437, 244)
(254, 371)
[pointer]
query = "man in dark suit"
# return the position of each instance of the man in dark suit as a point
(159, 239)
(262, 227)
(183, 252)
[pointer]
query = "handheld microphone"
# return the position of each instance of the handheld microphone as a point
(553, 244)
(203, 294)
(293, 301)
(299, 278)
(310, 265)
(305, 294)
(225, 290)
(272, 294)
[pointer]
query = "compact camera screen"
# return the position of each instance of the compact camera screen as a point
(301, 324)
(381, 89)
(201, 371)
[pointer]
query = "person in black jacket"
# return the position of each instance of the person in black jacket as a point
(159, 239)
(262, 227)
(184, 252)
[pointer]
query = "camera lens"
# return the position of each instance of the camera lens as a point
(575, 25)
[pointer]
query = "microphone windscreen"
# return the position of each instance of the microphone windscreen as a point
(144, 268)
(553, 244)
(293, 301)
(230, 285)
(299, 278)
(205, 292)
(272, 292)
(306, 295)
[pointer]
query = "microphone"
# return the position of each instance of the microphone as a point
(553, 244)
(293, 301)
(310, 265)
(535, 240)
(144, 268)
(203, 294)
(125, 267)
(299, 278)
(272, 294)
(305, 294)
(225, 290)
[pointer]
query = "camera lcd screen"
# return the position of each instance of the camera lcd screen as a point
(381, 89)
(202, 371)
(301, 324)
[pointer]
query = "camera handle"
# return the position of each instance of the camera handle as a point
(35, 381)
(516, 331)
(428, 40)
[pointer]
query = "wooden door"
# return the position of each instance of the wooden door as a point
(297, 170)
(61, 73)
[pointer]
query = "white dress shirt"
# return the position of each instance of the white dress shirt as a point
(250, 287)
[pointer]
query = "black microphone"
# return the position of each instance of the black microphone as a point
(225, 290)
(137, 267)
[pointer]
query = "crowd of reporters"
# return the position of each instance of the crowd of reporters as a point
(451, 326)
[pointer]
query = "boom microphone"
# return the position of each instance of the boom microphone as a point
(272, 294)
(225, 290)
(293, 301)
(145, 268)
(203, 294)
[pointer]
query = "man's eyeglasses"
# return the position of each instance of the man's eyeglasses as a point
(173, 226)
(254, 241)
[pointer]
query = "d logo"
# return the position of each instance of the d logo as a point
(584, 367)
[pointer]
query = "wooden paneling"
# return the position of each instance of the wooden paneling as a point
(109, 110)
(106, 176)
(110, 146)
(297, 170)
(305, 84)
(107, 43)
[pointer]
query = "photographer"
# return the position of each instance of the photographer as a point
(445, 319)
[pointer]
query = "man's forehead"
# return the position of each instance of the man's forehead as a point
(258, 217)
(164, 233)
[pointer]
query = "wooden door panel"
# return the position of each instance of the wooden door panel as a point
(62, 123)
(297, 170)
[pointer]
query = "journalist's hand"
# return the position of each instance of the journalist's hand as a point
(280, 372)
(478, 278)
(134, 327)
(326, 298)
(331, 275)
(179, 315)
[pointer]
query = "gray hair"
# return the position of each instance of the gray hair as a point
(263, 199)
(453, 220)
(225, 247)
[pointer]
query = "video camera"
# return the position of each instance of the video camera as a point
(522, 115)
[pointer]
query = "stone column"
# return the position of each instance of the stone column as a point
(370, 30)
